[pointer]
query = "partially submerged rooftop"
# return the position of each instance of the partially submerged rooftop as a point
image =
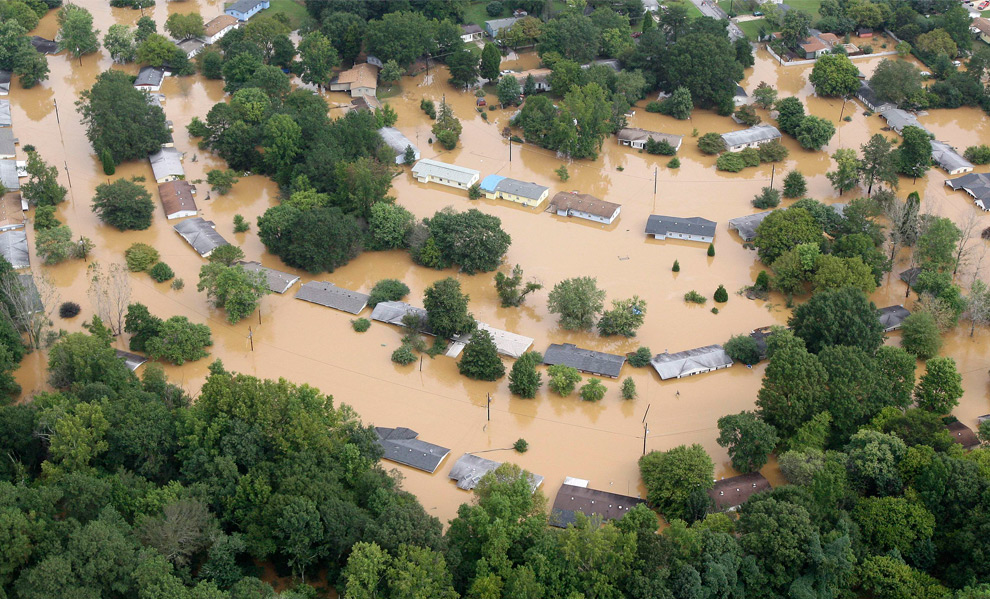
(278, 281)
(469, 470)
(575, 497)
(585, 360)
(401, 445)
(14, 248)
(566, 201)
(132, 361)
(746, 225)
(757, 134)
(976, 185)
(394, 312)
(892, 317)
(659, 224)
(329, 295)
(523, 189)
(506, 343)
(963, 435)
(201, 234)
(690, 362)
(730, 493)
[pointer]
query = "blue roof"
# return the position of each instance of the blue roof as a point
(490, 182)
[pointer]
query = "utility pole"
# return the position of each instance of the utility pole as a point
(259, 314)
(251, 338)
(655, 169)
(510, 149)
(489, 407)
(646, 431)
(773, 170)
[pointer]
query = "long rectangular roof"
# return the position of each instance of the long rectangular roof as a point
(585, 360)
(401, 445)
(177, 196)
(167, 162)
(576, 498)
(11, 211)
(659, 224)
(396, 140)
(736, 490)
(7, 142)
(331, 296)
(469, 469)
(14, 247)
(947, 157)
(582, 202)
(201, 234)
(692, 361)
(636, 134)
(393, 312)
(897, 119)
(435, 168)
(524, 189)
(976, 185)
(8, 175)
(5, 120)
(218, 24)
(507, 343)
(278, 281)
(497, 25)
(751, 135)
(746, 225)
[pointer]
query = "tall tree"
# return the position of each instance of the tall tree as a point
(480, 359)
(184, 26)
(511, 290)
(524, 380)
(838, 317)
(119, 119)
(671, 477)
(625, 317)
(940, 387)
(124, 204)
(42, 187)
(834, 75)
(878, 164)
(232, 288)
(76, 33)
(914, 156)
(577, 301)
(847, 172)
(491, 60)
(119, 42)
(318, 58)
(447, 309)
(749, 439)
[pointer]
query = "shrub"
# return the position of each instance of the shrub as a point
(711, 143)
(178, 284)
(978, 154)
(161, 272)
(387, 290)
(662, 147)
(240, 224)
(674, 163)
(772, 151)
(794, 185)
(731, 162)
(563, 379)
(640, 358)
(562, 172)
(762, 281)
(920, 335)
(653, 106)
(140, 257)
(494, 8)
(521, 445)
(429, 108)
(676, 267)
(714, 310)
(767, 198)
(593, 390)
(847, 119)
(474, 192)
(361, 325)
(721, 295)
(694, 297)
(404, 355)
(750, 156)
(711, 250)
(743, 348)
(628, 388)
(68, 309)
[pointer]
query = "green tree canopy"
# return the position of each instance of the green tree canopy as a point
(124, 204)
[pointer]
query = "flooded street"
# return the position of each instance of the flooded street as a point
(567, 437)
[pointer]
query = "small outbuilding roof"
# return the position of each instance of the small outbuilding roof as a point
(278, 281)
(963, 435)
(45, 46)
(659, 224)
(167, 162)
(732, 492)
(177, 196)
(947, 157)
(14, 247)
(582, 202)
(891, 317)
(524, 189)
(331, 296)
(746, 225)
(692, 361)
(469, 470)
(133, 361)
(401, 445)
(150, 76)
(574, 498)
(760, 133)
(585, 360)
(201, 234)
(451, 172)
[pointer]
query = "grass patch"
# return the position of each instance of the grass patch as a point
(752, 28)
(693, 12)
(294, 9)
(809, 6)
(475, 13)
(391, 91)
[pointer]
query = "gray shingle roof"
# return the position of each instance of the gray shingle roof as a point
(397, 141)
(5, 120)
(692, 361)
(401, 445)
(8, 175)
(201, 235)
(152, 76)
(746, 225)
(897, 119)
(278, 281)
(631, 134)
(975, 184)
(435, 168)
(14, 247)
(891, 317)
(7, 139)
(869, 97)
(45, 46)
(523, 189)
(756, 134)
(167, 162)
(659, 224)
(392, 313)
(469, 469)
(497, 25)
(133, 361)
(331, 296)
(244, 5)
(585, 360)
(947, 157)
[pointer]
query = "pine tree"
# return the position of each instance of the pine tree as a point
(711, 249)
(524, 380)
(721, 295)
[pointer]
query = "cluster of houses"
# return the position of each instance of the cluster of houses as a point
(818, 43)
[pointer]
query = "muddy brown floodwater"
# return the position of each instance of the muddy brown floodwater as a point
(567, 437)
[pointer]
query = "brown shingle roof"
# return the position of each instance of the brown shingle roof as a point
(218, 24)
(362, 75)
(963, 435)
(983, 25)
(572, 200)
(735, 491)
(813, 45)
(177, 196)
(829, 38)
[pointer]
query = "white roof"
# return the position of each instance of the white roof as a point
(751, 135)
(396, 140)
(692, 361)
(452, 172)
(947, 157)
(509, 344)
(167, 162)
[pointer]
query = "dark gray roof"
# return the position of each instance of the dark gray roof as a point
(150, 76)
(200, 234)
(659, 224)
(891, 317)
(732, 492)
(897, 119)
(910, 276)
(585, 360)
(30, 290)
(14, 247)
(751, 135)
(5, 120)
(947, 157)
(497, 25)
(45, 46)
(8, 175)
(468, 470)
(976, 185)
(572, 499)
(8, 143)
(689, 362)
(392, 313)
(4, 77)
(133, 361)
(244, 5)
(278, 281)
(470, 28)
(869, 97)
(523, 189)
(401, 445)
(331, 296)
(746, 225)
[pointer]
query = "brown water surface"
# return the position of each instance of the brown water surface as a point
(601, 441)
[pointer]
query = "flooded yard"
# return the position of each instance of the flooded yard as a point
(567, 437)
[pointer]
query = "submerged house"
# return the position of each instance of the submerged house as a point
(692, 228)
(12, 207)
(331, 296)
(402, 446)
(278, 281)
(506, 343)
(637, 138)
(976, 185)
(892, 317)
(746, 225)
(753, 137)
(575, 497)
(869, 98)
(585, 360)
(44, 45)
(8, 143)
(690, 362)
(434, 171)
(497, 187)
(201, 234)
(166, 164)
(946, 157)
(132, 361)
(14, 248)
(150, 79)
(4, 82)
(395, 312)
(242, 10)
(963, 435)
(582, 205)
(897, 119)
(8, 175)
(359, 80)
(730, 493)
(398, 142)
(217, 27)
(177, 199)
(469, 469)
